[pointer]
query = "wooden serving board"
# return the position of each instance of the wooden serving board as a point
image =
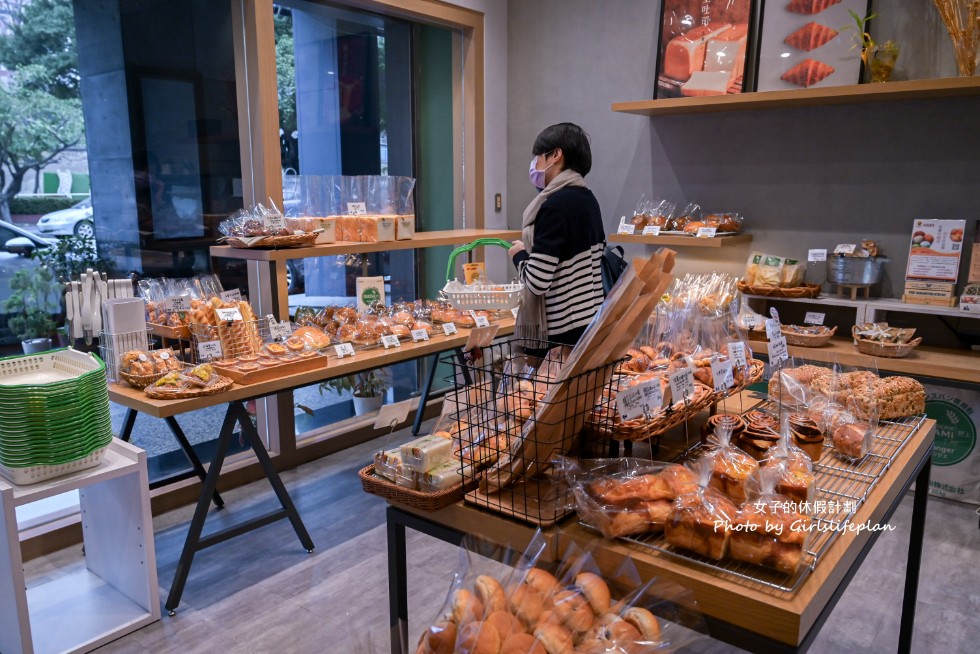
(266, 373)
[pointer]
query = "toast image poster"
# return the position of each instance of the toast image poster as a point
(703, 46)
(934, 251)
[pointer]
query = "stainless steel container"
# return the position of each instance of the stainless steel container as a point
(855, 270)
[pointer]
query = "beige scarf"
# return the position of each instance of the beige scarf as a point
(532, 319)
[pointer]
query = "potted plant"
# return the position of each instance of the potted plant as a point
(879, 58)
(368, 389)
(33, 299)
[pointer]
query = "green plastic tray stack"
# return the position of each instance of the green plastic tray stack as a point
(56, 422)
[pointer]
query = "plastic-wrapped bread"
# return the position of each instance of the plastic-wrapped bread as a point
(326, 229)
(367, 228)
(700, 521)
(348, 228)
(424, 454)
(405, 227)
(386, 228)
(443, 477)
(730, 466)
(769, 530)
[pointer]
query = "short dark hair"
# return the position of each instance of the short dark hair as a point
(574, 144)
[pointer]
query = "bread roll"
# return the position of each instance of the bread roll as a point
(573, 611)
(488, 590)
(465, 607)
(644, 621)
(478, 638)
(542, 581)
(595, 590)
(440, 638)
(505, 623)
(555, 638)
(527, 604)
(522, 644)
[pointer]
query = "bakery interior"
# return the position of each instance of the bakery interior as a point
(294, 415)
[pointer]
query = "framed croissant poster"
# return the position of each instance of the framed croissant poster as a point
(704, 47)
(806, 43)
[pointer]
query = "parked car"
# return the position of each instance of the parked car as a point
(76, 219)
(16, 246)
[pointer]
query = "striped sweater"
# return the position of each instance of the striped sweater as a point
(564, 264)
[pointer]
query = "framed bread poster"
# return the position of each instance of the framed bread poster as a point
(806, 43)
(704, 47)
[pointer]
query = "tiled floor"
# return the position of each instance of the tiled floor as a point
(263, 593)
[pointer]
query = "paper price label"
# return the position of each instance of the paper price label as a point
(515, 311)
(816, 255)
(480, 337)
(228, 315)
(178, 304)
(706, 232)
(753, 320)
(778, 351)
(344, 350)
(724, 377)
(163, 356)
(390, 340)
(640, 400)
(274, 223)
(814, 318)
(419, 335)
(449, 328)
(209, 350)
(651, 230)
(356, 208)
(772, 329)
(392, 414)
(142, 357)
(626, 228)
(736, 350)
(481, 321)
(280, 331)
(845, 248)
(234, 295)
(773, 313)
(682, 384)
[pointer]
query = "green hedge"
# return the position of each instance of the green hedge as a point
(41, 205)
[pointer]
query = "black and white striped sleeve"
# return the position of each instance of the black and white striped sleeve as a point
(537, 268)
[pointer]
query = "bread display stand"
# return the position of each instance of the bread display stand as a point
(754, 616)
(114, 593)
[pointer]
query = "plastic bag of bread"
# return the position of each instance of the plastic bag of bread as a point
(792, 274)
(692, 212)
(700, 520)
(728, 466)
(770, 530)
(795, 477)
(793, 385)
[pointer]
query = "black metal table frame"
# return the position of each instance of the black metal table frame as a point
(398, 520)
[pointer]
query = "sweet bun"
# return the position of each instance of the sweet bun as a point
(490, 593)
(645, 622)
(505, 624)
(527, 604)
(465, 607)
(440, 638)
(542, 581)
(595, 590)
(478, 638)
(573, 610)
(555, 638)
(522, 644)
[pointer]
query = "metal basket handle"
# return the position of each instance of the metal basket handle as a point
(499, 242)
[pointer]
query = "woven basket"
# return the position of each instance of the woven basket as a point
(809, 340)
(640, 429)
(757, 368)
(809, 290)
(375, 485)
(291, 241)
(140, 381)
(220, 385)
(887, 350)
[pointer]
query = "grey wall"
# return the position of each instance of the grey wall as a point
(804, 178)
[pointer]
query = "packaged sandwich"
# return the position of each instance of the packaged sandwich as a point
(425, 453)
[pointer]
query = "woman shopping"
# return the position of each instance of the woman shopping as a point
(562, 241)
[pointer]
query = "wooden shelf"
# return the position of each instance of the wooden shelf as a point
(676, 240)
(925, 89)
(868, 310)
(421, 240)
(955, 365)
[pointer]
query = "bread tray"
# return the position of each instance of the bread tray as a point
(809, 340)
(221, 384)
(808, 291)
(377, 485)
(291, 241)
(887, 350)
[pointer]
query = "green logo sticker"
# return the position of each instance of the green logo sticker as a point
(956, 435)
(370, 296)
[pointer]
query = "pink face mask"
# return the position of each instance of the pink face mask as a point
(537, 176)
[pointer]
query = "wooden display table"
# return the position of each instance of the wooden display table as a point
(751, 616)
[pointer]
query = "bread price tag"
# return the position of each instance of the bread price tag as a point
(845, 248)
(356, 208)
(391, 415)
(390, 340)
(344, 350)
(640, 400)
(449, 328)
(651, 230)
(209, 350)
(736, 350)
(724, 377)
(773, 329)
(816, 255)
(280, 331)
(163, 356)
(752, 320)
(778, 351)
(178, 304)
(706, 232)
(480, 337)
(228, 315)
(626, 228)
(814, 318)
(682, 384)
(234, 295)
(481, 321)
(419, 335)
(142, 357)
(274, 223)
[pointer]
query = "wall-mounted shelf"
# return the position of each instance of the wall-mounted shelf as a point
(870, 310)
(925, 89)
(676, 240)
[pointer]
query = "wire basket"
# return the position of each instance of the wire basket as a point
(515, 413)
(113, 346)
(234, 339)
(489, 297)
